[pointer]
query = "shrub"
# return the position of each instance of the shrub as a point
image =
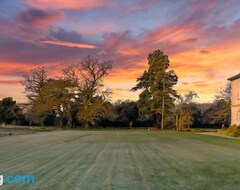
(233, 131)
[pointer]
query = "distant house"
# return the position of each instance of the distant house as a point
(235, 107)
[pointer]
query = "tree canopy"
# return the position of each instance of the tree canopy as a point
(78, 93)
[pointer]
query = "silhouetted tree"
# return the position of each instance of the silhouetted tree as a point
(34, 81)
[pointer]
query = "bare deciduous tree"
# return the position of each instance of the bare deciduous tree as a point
(34, 82)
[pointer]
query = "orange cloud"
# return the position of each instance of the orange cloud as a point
(128, 52)
(12, 83)
(8, 68)
(68, 44)
(15, 82)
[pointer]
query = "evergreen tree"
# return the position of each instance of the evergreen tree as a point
(157, 82)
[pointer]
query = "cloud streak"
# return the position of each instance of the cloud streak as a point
(68, 44)
(68, 4)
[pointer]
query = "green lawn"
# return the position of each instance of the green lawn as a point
(125, 159)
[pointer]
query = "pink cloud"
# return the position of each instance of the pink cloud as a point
(68, 44)
(68, 4)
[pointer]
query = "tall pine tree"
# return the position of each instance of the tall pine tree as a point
(158, 95)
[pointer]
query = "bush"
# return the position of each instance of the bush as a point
(233, 131)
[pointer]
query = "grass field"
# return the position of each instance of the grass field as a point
(126, 159)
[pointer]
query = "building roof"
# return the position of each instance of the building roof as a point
(234, 77)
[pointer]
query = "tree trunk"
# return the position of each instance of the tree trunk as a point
(189, 121)
(61, 122)
(86, 126)
(70, 123)
(177, 122)
(42, 121)
(163, 105)
(189, 118)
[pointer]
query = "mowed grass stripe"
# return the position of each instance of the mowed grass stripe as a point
(122, 172)
(95, 164)
(73, 171)
(60, 168)
(113, 154)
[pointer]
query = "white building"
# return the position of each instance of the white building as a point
(235, 107)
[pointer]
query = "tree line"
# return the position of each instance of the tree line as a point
(79, 98)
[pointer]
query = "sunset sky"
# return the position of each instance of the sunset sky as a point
(202, 39)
